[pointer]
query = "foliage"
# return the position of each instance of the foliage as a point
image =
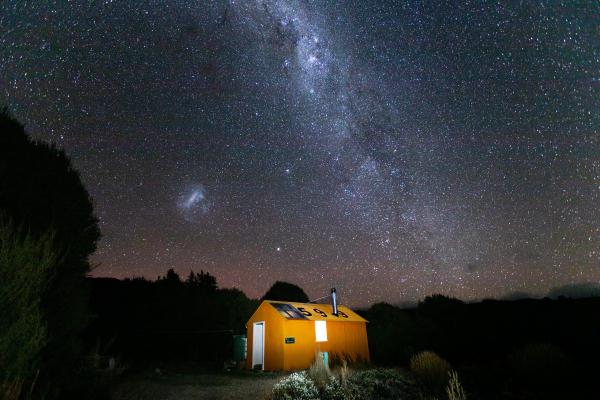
(318, 372)
(40, 189)
(344, 372)
(381, 384)
(394, 327)
(26, 266)
(296, 386)
(171, 277)
(284, 291)
(337, 386)
(454, 390)
(41, 192)
(439, 304)
(11, 390)
(431, 370)
(478, 336)
(371, 384)
(180, 321)
(335, 389)
(202, 280)
(539, 365)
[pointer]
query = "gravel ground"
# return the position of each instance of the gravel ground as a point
(189, 385)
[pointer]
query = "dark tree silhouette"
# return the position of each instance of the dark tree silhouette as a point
(202, 280)
(439, 305)
(41, 192)
(171, 277)
(40, 188)
(286, 292)
(167, 319)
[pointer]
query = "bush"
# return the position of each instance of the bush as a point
(393, 334)
(373, 384)
(540, 366)
(42, 192)
(26, 266)
(335, 390)
(430, 370)
(337, 385)
(381, 384)
(296, 386)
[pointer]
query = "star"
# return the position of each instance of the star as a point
(398, 150)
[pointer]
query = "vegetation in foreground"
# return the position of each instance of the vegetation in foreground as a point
(344, 383)
(47, 232)
(520, 349)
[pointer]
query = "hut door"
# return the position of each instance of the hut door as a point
(258, 345)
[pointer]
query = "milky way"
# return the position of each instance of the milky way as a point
(390, 149)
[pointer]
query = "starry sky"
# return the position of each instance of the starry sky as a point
(392, 149)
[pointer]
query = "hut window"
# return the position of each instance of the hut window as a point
(321, 331)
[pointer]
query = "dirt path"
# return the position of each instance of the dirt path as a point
(189, 386)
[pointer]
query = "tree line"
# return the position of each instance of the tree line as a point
(54, 318)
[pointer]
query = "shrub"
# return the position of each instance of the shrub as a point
(393, 334)
(373, 384)
(335, 390)
(337, 387)
(380, 384)
(296, 386)
(454, 390)
(26, 267)
(540, 366)
(431, 370)
(42, 192)
(11, 390)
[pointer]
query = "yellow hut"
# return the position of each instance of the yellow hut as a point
(287, 336)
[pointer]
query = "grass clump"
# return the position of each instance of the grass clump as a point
(455, 390)
(11, 390)
(319, 373)
(430, 370)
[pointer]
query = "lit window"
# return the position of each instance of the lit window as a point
(321, 331)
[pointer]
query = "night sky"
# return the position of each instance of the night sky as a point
(392, 149)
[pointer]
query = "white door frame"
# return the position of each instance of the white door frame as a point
(263, 343)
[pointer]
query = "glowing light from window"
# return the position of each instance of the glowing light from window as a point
(321, 331)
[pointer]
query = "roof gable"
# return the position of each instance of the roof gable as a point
(313, 312)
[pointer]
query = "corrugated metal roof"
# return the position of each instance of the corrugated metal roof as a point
(314, 312)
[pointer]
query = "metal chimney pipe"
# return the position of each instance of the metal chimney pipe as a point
(334, 301)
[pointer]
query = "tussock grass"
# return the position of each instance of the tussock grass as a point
(11, 390)
(430, 370)
(318, 372)
(454, 390)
